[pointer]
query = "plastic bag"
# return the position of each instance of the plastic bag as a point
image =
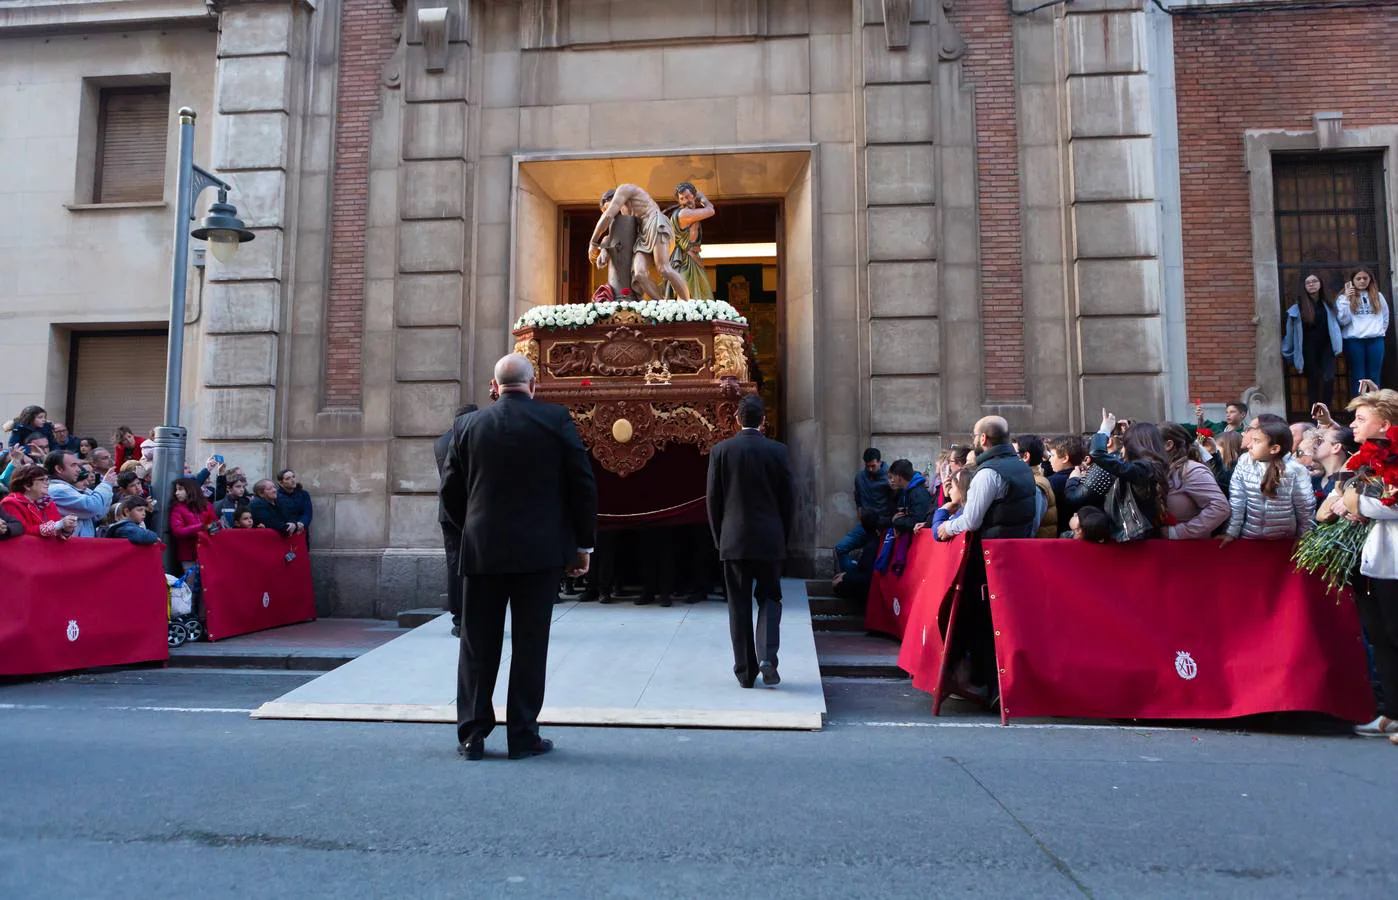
(181, 597)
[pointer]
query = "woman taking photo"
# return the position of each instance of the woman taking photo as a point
(1363, 314)
(1195, 505)
(1136, 504)
(1313, 339)
(190, 513)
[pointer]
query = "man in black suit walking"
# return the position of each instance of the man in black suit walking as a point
(519, 486)
(451, 535)
(751, 508)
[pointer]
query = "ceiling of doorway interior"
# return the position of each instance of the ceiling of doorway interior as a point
(720, 175)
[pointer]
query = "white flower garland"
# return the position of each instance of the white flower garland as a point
(656, 312)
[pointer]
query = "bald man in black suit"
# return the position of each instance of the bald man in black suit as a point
(519, 486)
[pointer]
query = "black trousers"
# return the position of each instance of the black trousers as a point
(1377, 599)
(740, 578)
(529, 598)
(451, 540)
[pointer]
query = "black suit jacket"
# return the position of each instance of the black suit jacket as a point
(750, 498)
(519, 485)
(441, 447)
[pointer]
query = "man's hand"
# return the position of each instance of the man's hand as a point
(919, 526)
(1321, 413)
(840, 578)
(300, 527)
(581, 563)
(111, 477)
(1225, 540)
(1108, 422)
(942, 533)
(68, 524)
(290, 530)
(1366, 386)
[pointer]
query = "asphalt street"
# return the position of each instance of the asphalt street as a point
(156, 783)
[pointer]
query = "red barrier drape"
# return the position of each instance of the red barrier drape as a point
(1170, 630)
(933, 614)
(79, 604)
(931, 571)
(250, 586)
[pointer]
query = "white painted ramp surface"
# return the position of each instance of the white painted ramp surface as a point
(608, 665)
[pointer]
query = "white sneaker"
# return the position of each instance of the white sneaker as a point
(1383, 726)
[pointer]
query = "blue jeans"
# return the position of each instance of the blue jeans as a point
(1365, 356)
(847, 545)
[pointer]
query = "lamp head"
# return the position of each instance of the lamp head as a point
(222, 229)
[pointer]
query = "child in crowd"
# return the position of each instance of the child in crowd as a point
(1065, 454)
(1229, 446)
(1270, 495)
(243, 519)
(959, 487)
(1092, 525)
(130, 522)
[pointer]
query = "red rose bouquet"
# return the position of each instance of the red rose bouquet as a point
(1333, 547)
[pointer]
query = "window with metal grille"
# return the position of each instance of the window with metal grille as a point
(132, 126)
(1330, 221)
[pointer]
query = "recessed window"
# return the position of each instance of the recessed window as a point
(132, 129)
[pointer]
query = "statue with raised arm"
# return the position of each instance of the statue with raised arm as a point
(654, 242)
(693, 208)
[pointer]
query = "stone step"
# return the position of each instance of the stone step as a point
(849, 655)
(827, 622)
(412, 618)
(835, 606)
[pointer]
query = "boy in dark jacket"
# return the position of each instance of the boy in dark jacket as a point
(872, 495)
(131, 523)
(9, 526)
(913, 502)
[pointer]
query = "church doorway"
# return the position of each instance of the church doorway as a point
(756, 249)
(741, 256)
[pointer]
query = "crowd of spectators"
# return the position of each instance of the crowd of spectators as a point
(55, 485)
(1250, 477)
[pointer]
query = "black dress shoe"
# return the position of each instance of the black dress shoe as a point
(769, 674)
(538, 748)
(645, 600)
(607, 599)
(472, 750)
(665, 600)
(746, 682)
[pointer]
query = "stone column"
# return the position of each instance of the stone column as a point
(261, 55)
(1116, 235)
(901, 228)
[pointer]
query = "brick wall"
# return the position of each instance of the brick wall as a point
(1257, 70)
(990, 67)
(366, 42)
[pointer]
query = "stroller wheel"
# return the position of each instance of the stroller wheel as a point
(177, 634)
(193, 628)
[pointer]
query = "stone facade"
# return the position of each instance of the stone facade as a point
(959, 183)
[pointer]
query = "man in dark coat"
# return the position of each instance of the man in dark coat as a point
(751, 510)
(519, 486)
(451, 535)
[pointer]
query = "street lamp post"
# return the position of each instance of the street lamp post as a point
(224, 231)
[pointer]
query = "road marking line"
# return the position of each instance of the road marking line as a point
(183, 709)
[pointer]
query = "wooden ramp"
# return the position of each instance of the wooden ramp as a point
(608, 665)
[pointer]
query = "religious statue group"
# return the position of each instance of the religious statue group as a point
(643, 247)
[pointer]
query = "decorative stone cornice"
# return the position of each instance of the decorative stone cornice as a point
(77, 15)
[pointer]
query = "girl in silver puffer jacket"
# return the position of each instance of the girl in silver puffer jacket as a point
(1270, 495)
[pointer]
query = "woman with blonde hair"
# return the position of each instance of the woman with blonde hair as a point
(1363, 314)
